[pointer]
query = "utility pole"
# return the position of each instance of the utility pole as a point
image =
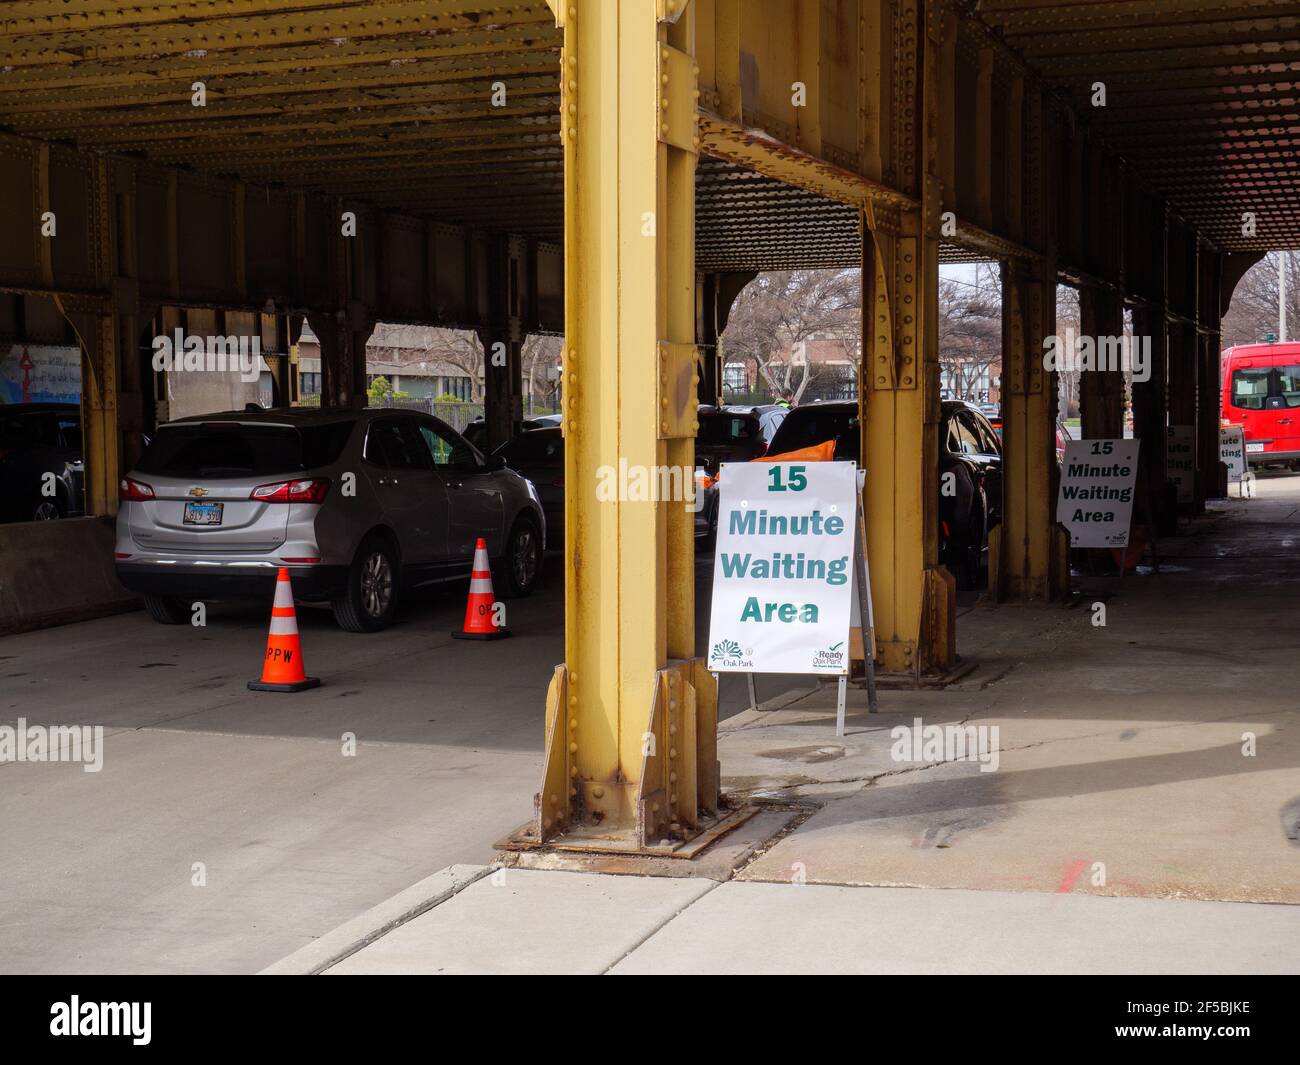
(1281, 296)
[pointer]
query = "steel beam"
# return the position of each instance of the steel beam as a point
(631, 759)
(899, 386)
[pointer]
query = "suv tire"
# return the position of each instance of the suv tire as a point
(515, 573)
(167, 609)
(369, 601)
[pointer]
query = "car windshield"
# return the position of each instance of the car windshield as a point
(230, 449)
(1266, 387)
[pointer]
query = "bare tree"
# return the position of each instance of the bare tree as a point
(458, 348)
(1253, 314)
(1069, 318)
(970, 328)
(781, 308)
(540, 353)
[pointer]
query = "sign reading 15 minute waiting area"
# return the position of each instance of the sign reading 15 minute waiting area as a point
(783, 574)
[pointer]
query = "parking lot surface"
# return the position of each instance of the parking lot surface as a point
(252, 794)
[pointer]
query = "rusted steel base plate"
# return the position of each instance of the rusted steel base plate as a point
(590, 840)
(910, 682)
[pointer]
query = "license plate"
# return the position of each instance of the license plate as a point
(1254, 449)
(203, 513)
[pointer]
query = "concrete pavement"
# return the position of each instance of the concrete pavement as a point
(253, 793)
(526, 921)
(1141, 815)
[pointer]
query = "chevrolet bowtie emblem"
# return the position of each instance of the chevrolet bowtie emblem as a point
(198, 493)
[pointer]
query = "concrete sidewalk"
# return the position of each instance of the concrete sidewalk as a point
(1142, 814)
(1155, 755)
(530, 922)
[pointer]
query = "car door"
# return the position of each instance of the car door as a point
(539, 456)
(70, 452)
(989, 460)
(410, 493)
(474, 504)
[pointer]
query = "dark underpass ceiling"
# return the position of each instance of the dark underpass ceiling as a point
(388, 103)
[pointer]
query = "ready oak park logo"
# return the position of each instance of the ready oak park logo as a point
(782, 575)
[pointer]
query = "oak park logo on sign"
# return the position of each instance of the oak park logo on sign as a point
(133, 1019)
(728, 654)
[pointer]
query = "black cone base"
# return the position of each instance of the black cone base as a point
(498, 635)
(297, 686)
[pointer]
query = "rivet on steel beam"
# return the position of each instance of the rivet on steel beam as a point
(573, 748)
(598, 792)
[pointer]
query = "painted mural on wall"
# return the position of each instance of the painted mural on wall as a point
(40, 373)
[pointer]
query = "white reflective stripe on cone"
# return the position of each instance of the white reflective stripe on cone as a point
(480, 559)
(284, 626)
(283, 594)
(480, 586)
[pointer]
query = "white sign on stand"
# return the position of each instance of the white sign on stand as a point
(783, 571)
(790, 573)
(1180, 460)
(1232, 451)
(1095, 500)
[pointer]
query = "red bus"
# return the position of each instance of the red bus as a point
(1261, 392)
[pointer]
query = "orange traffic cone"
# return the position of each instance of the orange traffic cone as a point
(283, 669)
(479, 621)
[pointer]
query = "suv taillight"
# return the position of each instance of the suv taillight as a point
(130, 491)
(311, 491)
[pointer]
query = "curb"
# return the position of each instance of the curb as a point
(348, 938)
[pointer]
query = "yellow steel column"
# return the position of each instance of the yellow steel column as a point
(913, 596)
(1027, 559)
(631, 715)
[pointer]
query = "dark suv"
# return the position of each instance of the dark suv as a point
(36, 440)
(969, 450)
(729, 434)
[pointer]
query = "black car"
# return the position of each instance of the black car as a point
(970, 472)
(726, 434)
(729, 434)
(36, 440)
(538, 454)
(476, 431)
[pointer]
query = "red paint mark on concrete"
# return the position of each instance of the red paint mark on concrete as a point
(1072, 874)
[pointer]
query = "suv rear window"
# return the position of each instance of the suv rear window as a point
(726, 428)
(228, 449)
(808, 426)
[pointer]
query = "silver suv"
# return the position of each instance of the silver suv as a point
(356, 504)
